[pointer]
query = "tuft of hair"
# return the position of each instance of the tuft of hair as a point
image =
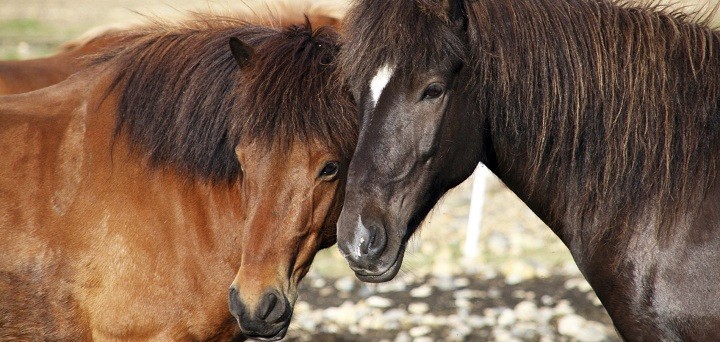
(389, 32)
(185, 103)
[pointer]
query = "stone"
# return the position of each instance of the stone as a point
(461, 282)
(526, 311)
(378, 302)
(403, 337)
(420, 331)
(570, 325)
(506, 317)
(418, 308)
(422, 291)
(345, 284)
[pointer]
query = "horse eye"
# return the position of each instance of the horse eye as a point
(330, 170)
(434, 91)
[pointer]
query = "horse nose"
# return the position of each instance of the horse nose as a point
(372, 240)
(236, 306)
(271, 309)
(366, 246)
(270, 318)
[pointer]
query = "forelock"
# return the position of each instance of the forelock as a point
(411, 35)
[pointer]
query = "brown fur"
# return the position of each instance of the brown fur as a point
(112, 231)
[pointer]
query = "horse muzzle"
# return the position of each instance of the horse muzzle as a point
(270, 319)
(373, 253)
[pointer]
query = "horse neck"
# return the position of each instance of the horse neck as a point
(581, 129)
(194, 213)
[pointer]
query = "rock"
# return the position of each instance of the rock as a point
(563, 308)
(376, 321)
(378, 302)
(459, 333)
(477, 322)
(494, 293)
(526, 311)
(326, 292)
(420, 331)
(461, 282)
(547, 300)
(506, 317)
(525, 331)
(570, 325)
(592, 332)
(403, 337)
(395, 315)
(345, 284)
(392, 286)
(422, 291)
(578, 283)
(444, 283)
(517, 271)
(318, 283)
(502, 335)
(418, 308)
(462, 303)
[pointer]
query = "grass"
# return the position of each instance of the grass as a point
(22, 38)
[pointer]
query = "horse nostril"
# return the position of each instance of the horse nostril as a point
(236, 307)
(267, 305)
(372, 241)
(367, 241)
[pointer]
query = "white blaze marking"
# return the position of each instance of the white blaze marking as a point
(360, 227)
(378, 83)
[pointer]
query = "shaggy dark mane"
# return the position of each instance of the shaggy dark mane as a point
(613, 111)
(185, 103)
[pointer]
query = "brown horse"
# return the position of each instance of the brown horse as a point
(27, 75)
(604, 119)
(134, 193)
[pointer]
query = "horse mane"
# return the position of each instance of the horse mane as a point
(630, 139)
(185, 103)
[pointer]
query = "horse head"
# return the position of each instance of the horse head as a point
(409, 151)
(292, 180)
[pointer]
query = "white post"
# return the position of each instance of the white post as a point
(477, 200)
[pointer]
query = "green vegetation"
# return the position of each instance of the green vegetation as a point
(28, 38)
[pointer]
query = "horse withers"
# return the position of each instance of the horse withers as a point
(196, 170)
(604, 119)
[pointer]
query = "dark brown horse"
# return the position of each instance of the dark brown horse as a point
(28, 75)
(200, 157)
(604, 119)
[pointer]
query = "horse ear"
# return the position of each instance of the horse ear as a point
(457, 13)
(242, 52)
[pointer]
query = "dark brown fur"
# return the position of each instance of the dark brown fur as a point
(604, 118)
(545, 81)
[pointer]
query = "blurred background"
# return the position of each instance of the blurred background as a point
(519, 282)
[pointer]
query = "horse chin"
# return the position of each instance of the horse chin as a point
(276, 337)
(386, 275)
